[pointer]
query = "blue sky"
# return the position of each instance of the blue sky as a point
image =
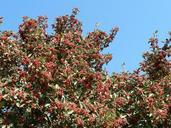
(137, 20)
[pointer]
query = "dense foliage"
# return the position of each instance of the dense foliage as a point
(57, 80)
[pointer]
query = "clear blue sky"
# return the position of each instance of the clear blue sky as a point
(137, 20)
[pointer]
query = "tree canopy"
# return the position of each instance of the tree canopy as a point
(57, 80)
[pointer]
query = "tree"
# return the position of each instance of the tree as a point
(57, 80)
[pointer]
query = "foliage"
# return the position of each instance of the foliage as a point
(57, 80)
